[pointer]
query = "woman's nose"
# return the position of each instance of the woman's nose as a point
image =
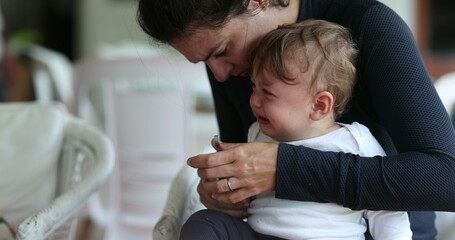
(220, 69)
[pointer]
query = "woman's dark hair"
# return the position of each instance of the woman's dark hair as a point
(166, 20)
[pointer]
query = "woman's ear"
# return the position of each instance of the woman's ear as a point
(322, 105)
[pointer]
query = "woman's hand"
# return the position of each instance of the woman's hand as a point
(248, 167)
(238, 210)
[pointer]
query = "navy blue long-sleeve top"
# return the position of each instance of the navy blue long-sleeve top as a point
(395, 97)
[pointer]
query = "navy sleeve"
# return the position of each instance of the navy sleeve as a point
(395, 90)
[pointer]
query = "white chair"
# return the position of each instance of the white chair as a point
(445, 86)
(51, 74)
(182, 201)
(144, 105)
(51, 163)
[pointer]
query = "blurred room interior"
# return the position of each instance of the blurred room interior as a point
(71, 39)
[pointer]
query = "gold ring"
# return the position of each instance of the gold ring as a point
(229, 184)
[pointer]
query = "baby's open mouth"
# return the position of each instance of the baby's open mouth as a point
(262, 120)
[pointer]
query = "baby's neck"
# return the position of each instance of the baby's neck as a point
(317, 129)
(334, 127)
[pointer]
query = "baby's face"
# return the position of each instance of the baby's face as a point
(282, 109)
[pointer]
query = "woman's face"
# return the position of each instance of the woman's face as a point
(225, 50)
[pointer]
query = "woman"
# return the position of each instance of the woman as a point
(394, 97)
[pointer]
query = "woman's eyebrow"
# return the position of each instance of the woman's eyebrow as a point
(212, 50)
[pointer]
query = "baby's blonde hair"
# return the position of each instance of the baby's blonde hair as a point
(323, 48)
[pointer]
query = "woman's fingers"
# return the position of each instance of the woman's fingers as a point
(221, 185)
(236, 210)
(242, 171)
(205, 192)
(251, 166)
(240, 196)
(211, 160)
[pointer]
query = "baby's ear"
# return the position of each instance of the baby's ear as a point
(322, 105)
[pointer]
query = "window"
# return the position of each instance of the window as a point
(436, 35)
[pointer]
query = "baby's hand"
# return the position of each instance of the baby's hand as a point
(216, 142)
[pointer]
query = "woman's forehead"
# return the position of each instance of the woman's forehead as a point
(199, 45)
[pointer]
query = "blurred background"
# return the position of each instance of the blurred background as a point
(65, 50)
(85, 28)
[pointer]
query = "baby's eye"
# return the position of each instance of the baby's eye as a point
(267, 92)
